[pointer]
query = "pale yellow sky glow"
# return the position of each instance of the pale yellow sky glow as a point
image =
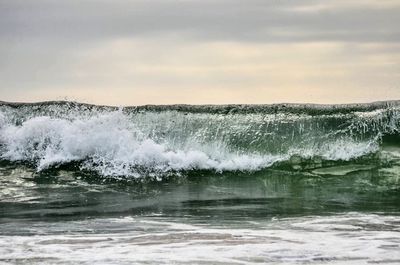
(317, 63)
(125, 72)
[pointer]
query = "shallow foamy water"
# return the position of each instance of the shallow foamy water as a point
(352, 238)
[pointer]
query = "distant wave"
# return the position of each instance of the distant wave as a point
(157, 140)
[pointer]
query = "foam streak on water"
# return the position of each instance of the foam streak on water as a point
(342, 239)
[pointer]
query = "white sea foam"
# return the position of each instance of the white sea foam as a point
(110, 144)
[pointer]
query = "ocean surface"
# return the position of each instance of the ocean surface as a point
(231, 184)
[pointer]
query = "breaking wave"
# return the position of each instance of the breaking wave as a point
(159, 140)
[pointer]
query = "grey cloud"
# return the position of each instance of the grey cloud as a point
(234, 20)
(44, 42)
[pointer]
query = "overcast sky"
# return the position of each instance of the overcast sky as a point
(200, 51)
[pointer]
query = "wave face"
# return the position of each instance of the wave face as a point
(154, 141)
